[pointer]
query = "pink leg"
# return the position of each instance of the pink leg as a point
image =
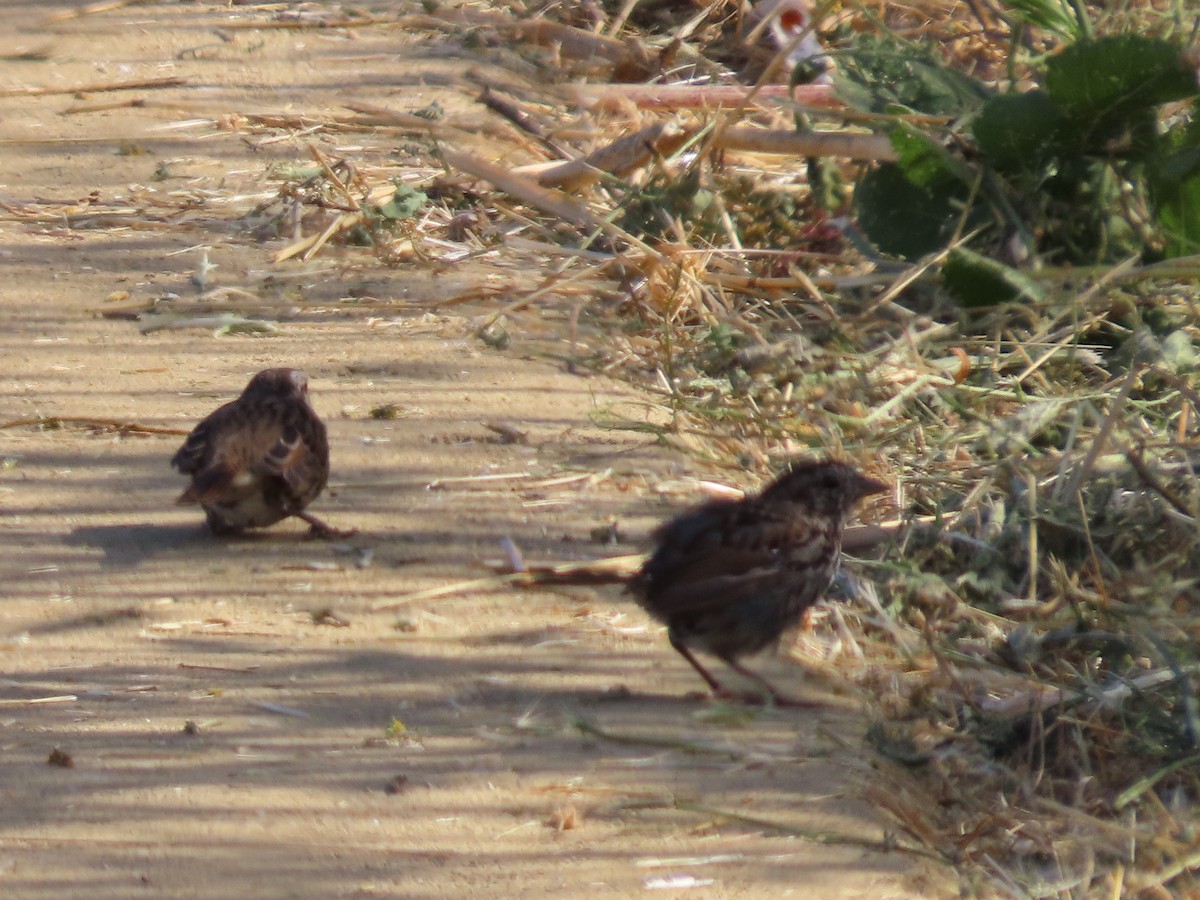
(319, 529)
(776, 697)
(723, 693)
(681, 648)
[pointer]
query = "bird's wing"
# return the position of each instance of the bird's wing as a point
(730, 557)
(291, 458)
(213, 485)
(699, 593)
(224, 454)
(199, 458)
(695, 560)
(196, 452)
(719, 538)
(705, 562)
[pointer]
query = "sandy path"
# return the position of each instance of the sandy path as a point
(118, 600)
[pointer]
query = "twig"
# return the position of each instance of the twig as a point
(84, 422)
(555, 283)
(508, 109)
(617, 158)
(1101, 437)
(88, 9)
(884, 845)
(96, 87)
(654, 740)
(1151, 481)
(309, 23)
(35, 701)
(221, 324)
(614, 570)
(845, 145)
(439, 484)
(492, 582)
(1172, 871)
(1142, 785)
(525, 190)
(682, 96)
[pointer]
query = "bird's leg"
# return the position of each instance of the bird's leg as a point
(683, 651)
(318, 529)
(723, 693)
(216, 524)
(777, 698)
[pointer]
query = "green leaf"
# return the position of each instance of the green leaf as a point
(1178, 208)
(879, 74)
(1058, 16)
(1020, 132)
(902, 218)
(1113, 76)
(927, 163)
(1174, 181)
(1059, 159)
(406, 202)
(910, 208)
(1109, 90)
(975, 280)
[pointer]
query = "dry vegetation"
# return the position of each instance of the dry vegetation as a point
(1026, 625)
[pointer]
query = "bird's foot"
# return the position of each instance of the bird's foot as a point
(327, 533)
(318, 530)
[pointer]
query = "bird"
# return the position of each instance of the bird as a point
(730, 576)
(260, 458)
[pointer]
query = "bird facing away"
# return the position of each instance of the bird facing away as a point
(730, 576)
(260, 458)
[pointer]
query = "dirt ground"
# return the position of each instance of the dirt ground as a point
(338, 746)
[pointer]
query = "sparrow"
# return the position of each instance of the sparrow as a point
(260, 458)
(730, 576)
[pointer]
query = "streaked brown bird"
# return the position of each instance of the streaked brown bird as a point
(260, 458)
(730, 576)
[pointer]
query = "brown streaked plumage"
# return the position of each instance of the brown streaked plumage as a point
(729, 577)
(260, 458)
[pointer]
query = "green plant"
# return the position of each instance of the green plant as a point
(1086, 168)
